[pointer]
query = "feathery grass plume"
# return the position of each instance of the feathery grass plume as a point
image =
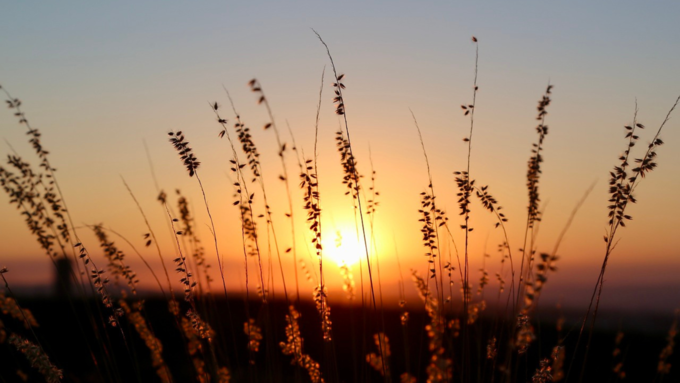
(664, 368)
(404, 317)
(305, 270)
(501, 283)
(182, 268)
(347, 281)
(223, 375)
(557, 356)
(34, 134)
(248, 224)
(28, 191)
(293, 346)
(433, 219)
(37, 357)
(373, 203)
(254, 334)
(466, 185)
(135, 317)
(99, 281)
(115, 257)
(141, 257)
(244, 201)
(150, 238)
(204, 330)
(440, 368)
(622, 185)
(381, 361)
(262, 292)
(201, 328)
(543, 372)
(454, 326)
(474, 310)
(244, 137)
(197, 250)
(533, 288)
(491, 204)
(67, 231)
(195, 348)
(617, 357)
(256, 87)
(185, 152)
(58, 207)
(248, 239)
(173, 307)
(430, 216)
(308, 172)
(483, 280)
(525, 333)
(9, 306)
(320, 296)
(534, 166)
(338, 100)
(533, 177)
(310, 185)
(191, 163)
(52, 192)
(22, 192)
(340, 109)
(491, 349)
(351, 175)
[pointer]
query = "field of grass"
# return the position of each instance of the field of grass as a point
(99, 328)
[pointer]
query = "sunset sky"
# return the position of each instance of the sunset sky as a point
(99, 81)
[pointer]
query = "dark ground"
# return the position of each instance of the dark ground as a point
(70, 343)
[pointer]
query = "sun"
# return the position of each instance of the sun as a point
(343, 248)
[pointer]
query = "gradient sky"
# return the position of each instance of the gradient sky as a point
(99, 80)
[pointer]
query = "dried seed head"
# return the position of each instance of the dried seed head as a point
(185, 152)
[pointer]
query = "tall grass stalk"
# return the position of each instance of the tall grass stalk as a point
(621, 189)
(68, 231)
(251, 153)
(256, 87)
(341, 110)
(466, 190)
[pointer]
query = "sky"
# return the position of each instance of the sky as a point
(101, 81)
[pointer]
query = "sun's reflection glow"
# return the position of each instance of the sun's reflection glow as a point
(343, 247)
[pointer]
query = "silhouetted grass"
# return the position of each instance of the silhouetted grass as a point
(102, 330)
